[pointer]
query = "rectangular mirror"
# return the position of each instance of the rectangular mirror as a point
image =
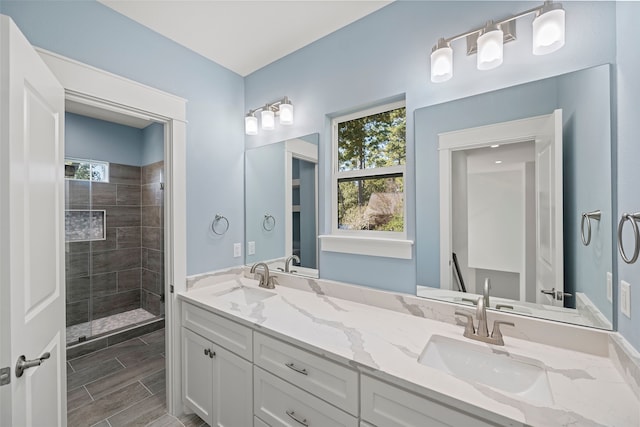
(514, 186)
(281, 205)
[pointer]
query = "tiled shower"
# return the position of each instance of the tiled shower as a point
(114, 252)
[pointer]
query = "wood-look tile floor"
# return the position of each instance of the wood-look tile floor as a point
(122, 385)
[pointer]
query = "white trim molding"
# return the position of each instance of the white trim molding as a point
(371, 246)
(94, 87)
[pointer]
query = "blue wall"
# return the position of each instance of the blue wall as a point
(87, 138)
(94, 34)
(628, 86)
(152, 144)
(362, 64)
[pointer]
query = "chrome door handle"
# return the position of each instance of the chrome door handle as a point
(303, 421)
(295, 368)
(551, 292)
(23, 364)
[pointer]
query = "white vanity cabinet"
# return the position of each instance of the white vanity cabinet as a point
(216, 383)
(384, 405)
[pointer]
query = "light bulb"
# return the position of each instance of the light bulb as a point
(286, 114)
(441, 62)
(490, 47)
(548, 29)
(250, 124)
(268, 119)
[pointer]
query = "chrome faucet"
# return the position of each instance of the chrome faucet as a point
(295, 258)
(265, 280)
(485, 292)
(482, 333)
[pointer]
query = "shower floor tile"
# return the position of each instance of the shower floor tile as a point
(106, 324)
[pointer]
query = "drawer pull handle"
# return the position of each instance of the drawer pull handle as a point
(303, 421)
(299, 370)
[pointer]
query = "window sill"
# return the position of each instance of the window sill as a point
(372, 246)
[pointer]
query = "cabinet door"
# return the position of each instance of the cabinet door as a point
(232, 390)
(197, 374)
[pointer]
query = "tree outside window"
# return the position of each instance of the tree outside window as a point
(370, 167)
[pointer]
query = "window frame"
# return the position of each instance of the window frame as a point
(90, 163)
(373, 173)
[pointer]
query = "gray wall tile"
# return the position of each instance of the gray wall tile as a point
(152, 238)
(76, 194)
(122, 216)
(129, 280)
(77, 289)
(151, 281)
(77, 312)
(152, 216)
(77, 264)
(120, 259)
(105, 245)
(152, 173)
(128, 195)
(103, 194)
(154, 260)
(128, 237)
(152, 303)
(152, 194)
(124, 174)
(117, 303)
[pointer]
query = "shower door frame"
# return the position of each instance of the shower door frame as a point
(98, 88)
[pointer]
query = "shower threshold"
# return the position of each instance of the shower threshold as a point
(107, 324)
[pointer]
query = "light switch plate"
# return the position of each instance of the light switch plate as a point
(251, 248)
(609, 287)
(237, 250)
(625, 298)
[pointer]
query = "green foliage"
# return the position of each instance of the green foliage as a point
(375, 141)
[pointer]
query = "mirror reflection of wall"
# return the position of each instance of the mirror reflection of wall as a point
(584, 97)
(281, 181)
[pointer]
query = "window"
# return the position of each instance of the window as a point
(369, 154)
(86, 170)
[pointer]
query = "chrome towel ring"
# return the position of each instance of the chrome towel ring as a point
(218, 228)
(587, 217)
(269, 222)
(634, 219)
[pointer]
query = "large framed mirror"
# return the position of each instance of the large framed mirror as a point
(514, 199)
(281, 205)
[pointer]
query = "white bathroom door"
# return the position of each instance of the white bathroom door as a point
(32, 291)
(549, 210)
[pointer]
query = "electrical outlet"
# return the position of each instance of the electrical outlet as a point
(251, 248)
(237, 250)
(609, 287)
(625, 298)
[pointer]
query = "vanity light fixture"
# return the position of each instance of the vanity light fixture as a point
(488, 41)
(282, 108)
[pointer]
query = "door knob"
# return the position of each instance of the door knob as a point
(24, 364)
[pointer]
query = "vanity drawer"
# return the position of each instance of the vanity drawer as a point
(224, 332)
(328, 380)
(281, 404)
(389, 406)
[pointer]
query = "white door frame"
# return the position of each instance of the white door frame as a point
(529, 129)
(303, 150)
(92, 86)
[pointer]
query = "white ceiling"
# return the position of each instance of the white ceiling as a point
(245, 35)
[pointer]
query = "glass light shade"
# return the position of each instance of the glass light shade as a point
(441, 64)
(286, 114)
(251, 125)
(548, 32)
(490, 49)
(268, 119)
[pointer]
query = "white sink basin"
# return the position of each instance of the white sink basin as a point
(478, 363)
(244, 296)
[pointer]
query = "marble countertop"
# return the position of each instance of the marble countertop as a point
(587, 389)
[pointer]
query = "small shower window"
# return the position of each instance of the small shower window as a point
(86, 170)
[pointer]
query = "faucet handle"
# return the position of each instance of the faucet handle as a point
(496, 334)
(469, 329)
